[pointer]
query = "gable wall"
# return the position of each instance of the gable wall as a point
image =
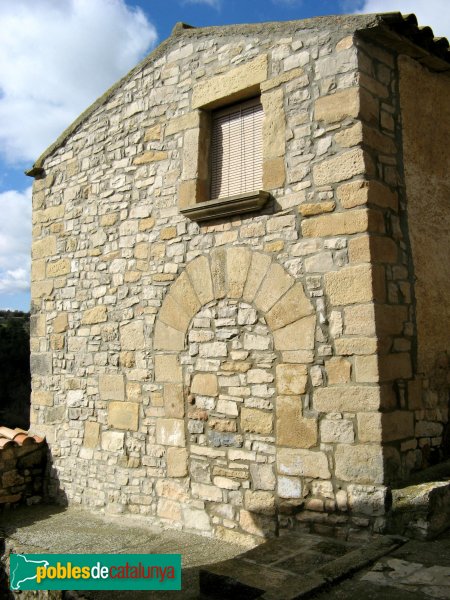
(110, 246)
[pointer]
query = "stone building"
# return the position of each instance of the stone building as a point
(240, 278)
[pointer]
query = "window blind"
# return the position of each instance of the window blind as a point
(236, 149)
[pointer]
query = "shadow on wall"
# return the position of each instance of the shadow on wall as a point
(415, 423)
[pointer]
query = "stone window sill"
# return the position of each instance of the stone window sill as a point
(224, 207)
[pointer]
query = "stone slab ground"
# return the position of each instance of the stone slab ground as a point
(292, 566)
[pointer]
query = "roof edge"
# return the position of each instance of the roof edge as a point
(394, 25)
(37, 168)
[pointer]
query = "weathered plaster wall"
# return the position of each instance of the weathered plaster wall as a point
(424, 98)
(426, 130)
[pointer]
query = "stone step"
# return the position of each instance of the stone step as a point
(249, 576)
(420, 511)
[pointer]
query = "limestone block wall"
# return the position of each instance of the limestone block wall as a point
(244, 373)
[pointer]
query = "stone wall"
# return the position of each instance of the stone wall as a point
(247, 372)
(22, 473)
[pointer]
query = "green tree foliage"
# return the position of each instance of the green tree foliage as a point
(15, 378)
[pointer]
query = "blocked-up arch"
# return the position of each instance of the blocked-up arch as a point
(241, 274)
(255, 278)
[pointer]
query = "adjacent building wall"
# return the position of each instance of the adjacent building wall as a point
(424, 99)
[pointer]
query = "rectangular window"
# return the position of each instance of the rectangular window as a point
(236, 149)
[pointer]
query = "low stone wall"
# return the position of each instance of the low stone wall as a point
(22, 472)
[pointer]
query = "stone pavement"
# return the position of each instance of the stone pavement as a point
(292, 566)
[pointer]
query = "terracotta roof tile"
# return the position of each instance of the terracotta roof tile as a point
(17, 437)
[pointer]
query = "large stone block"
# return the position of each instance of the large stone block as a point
(174, 400)
(200, 275)
(354, 285)
(274, 124)
(167, 368)
(336, 107)
(43, 248)
(173, 314)
(238, 263)
(58, 268)
(344, 223)
(291, 307)
(258, 501)
(150, 156)
(229, 86)
(98, 314)
(395, 366)
(191, 147)
(397, 425)
(367, 499)
(256, 421)
(257, 271)
(38, 269)
(132, 336)
(275, 284)
(347, 346)
(189, 120)
(41, 289)
(184, 295)
(177, 462)
(346, 398)
(218, 272)
(170, 432)
(359, 320)
(359, 463)
(41, 364)
(341, 167)
(168, 338)
(274, 173)
(38, 325)
(338, 370)
(366, 369)
(91, 434)
(123, 415)
(112, 441)
(196, 519)
(291, 379)
(336, 431)
(263, 477)
(169, 509)
(111, 386)
(60, 323)
(293, 430)
(369, 427)
(306, 463)
(205, 384)
(42, 398)
(296, 336)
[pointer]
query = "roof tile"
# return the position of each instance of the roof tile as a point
(17, 437)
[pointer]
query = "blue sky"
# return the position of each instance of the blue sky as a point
(62, 54)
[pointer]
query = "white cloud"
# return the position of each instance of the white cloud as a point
(434, 13)
(213, 3)
(288, 2)
(57, 58)
(15, 237)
